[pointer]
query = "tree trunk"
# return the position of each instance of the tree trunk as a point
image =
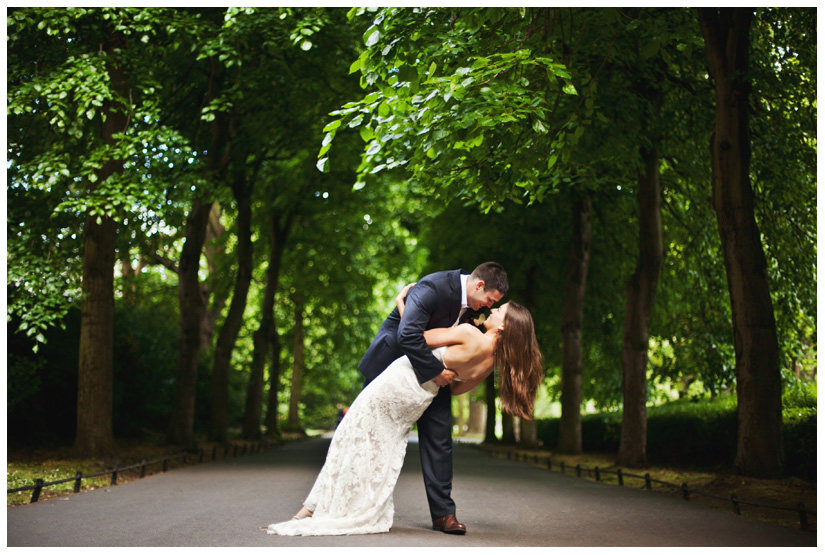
(570, 425)
(182, 421)
(508, 429)
(461, 409)
(234, 318)
(641, 290)
(271, 421)
(490, 399)
(192, 303)
(262, 339)
(214, 230)
(297, 365)
(528, 437)
(94, 437)
(477, 417)
(758, 380)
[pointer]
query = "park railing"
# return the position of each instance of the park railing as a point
(596, 472)
(233, 449)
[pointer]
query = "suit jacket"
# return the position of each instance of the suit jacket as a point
(434, 302)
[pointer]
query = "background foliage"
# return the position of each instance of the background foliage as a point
(401, 141)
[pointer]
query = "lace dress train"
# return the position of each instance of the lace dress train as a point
(353, 492)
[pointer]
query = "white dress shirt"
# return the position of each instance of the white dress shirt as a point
(464, 305)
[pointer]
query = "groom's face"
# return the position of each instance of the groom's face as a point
(478, 298)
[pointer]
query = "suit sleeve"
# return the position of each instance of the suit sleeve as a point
(422, 302)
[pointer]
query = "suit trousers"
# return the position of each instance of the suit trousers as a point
(435, 439)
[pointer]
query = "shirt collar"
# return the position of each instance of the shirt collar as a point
(463, 280)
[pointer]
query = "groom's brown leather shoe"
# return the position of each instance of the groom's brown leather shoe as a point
(449, 524)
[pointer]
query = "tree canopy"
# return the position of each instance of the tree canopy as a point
(265, 180)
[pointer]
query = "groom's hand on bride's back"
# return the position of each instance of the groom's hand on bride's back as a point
(445, 378)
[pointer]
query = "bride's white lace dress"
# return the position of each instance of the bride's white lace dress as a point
(353, 492)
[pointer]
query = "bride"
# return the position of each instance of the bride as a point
(353, 492)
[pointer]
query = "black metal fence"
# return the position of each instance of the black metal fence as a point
(596, 472)
(234, 450)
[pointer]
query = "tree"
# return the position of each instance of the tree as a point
(94, 390)
(570, 432)
(82, 84)
(758, 384)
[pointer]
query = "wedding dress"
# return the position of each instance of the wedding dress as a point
(353, 492)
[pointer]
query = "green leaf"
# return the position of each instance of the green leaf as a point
(570, 89)
(332, 125)
(480, 62)
(356, 65)
(367, 134)
(373, 38)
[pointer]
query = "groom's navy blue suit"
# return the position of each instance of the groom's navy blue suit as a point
(434, 302)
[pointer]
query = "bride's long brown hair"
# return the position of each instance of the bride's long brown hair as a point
(519, 362)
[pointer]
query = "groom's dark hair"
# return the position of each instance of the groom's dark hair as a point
(493, 276)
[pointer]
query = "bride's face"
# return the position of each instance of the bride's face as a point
(496, 318)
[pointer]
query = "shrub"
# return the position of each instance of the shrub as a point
(799, 442)
(701, 433)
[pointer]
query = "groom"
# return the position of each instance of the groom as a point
(438, 300)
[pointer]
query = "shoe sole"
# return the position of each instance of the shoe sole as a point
(456, 532)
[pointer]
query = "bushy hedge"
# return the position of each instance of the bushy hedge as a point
(699, 434)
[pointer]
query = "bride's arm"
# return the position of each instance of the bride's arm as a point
(440, 337)
(401, 299)
(457, 388)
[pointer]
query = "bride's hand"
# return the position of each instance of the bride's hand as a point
(400, 298)
(445, 378)
(404, 291)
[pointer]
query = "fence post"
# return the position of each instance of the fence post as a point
(579, 470)
(143, 468)
(803, 516)
(77, 478)
(200, 456)
(648, 487)
(114, 476)
(38, 485)
(685, 492)
(735, 501)
(165, 464)
(619, 476)
(549, 464)
(562, 467)
(598, 478)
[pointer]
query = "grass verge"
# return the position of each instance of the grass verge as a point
(25, 465)
(786, 492)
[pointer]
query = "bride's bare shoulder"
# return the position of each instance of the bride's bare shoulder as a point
(470, 328)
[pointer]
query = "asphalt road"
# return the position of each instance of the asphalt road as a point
(502, 502)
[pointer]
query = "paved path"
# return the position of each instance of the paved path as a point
(502, 502)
